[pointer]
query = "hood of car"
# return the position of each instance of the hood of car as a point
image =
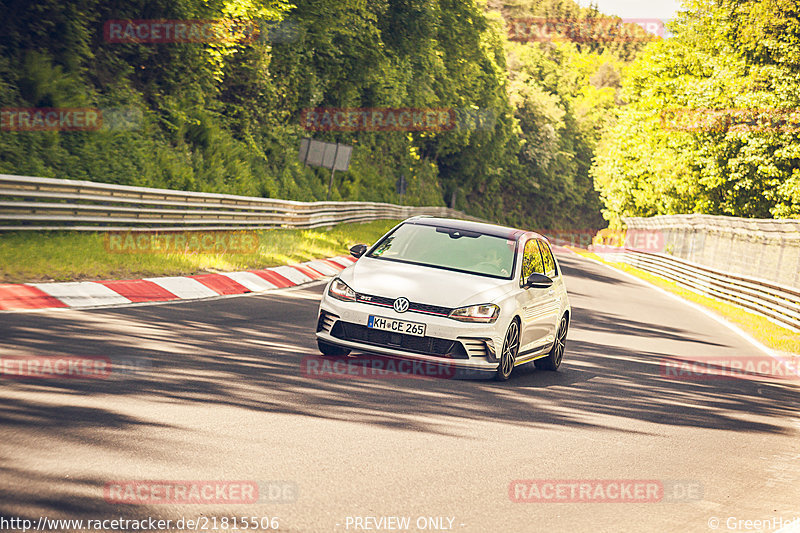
(427, 285)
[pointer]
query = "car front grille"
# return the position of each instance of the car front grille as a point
(348, 331)
(415, 307)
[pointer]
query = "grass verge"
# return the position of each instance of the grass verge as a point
(77, 256)
(760, 328)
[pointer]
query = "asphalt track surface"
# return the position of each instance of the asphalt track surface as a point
(221, 395)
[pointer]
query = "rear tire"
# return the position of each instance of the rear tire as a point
(553, 359)
(331, 350)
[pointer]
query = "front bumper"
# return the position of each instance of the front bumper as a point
(471, 350)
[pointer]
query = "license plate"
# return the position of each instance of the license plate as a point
(396, 326)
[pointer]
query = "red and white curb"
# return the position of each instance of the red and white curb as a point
(78, 294)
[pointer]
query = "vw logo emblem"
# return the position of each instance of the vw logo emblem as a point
(401, 305)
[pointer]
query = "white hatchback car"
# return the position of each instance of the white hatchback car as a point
(480, 298)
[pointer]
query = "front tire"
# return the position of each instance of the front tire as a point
(509, 354)
(331, 350)
(553, 359)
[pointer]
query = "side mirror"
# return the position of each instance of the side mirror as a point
(537, 281)
(358, 250)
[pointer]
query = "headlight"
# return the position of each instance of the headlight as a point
(342, 291)
(487, 313)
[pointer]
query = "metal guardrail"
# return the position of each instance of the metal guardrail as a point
(31, 203)
(761, 248)
(777, 302)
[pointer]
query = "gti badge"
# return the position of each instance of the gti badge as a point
(401, 305)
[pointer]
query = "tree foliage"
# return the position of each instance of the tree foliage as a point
(226, 116)
(735, 55)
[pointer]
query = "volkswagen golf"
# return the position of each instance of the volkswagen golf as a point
(481, 298)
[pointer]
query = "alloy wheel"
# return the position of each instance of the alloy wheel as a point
(509, 353)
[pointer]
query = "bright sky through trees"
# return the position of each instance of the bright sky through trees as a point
(659, 9)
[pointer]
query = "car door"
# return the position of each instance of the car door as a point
(552, 306)
(536, 304)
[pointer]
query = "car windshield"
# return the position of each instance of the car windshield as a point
(449, 248)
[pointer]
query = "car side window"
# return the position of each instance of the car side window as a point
(549, 261)
(531, 261)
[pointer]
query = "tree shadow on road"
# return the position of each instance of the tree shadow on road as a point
(247, 353)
